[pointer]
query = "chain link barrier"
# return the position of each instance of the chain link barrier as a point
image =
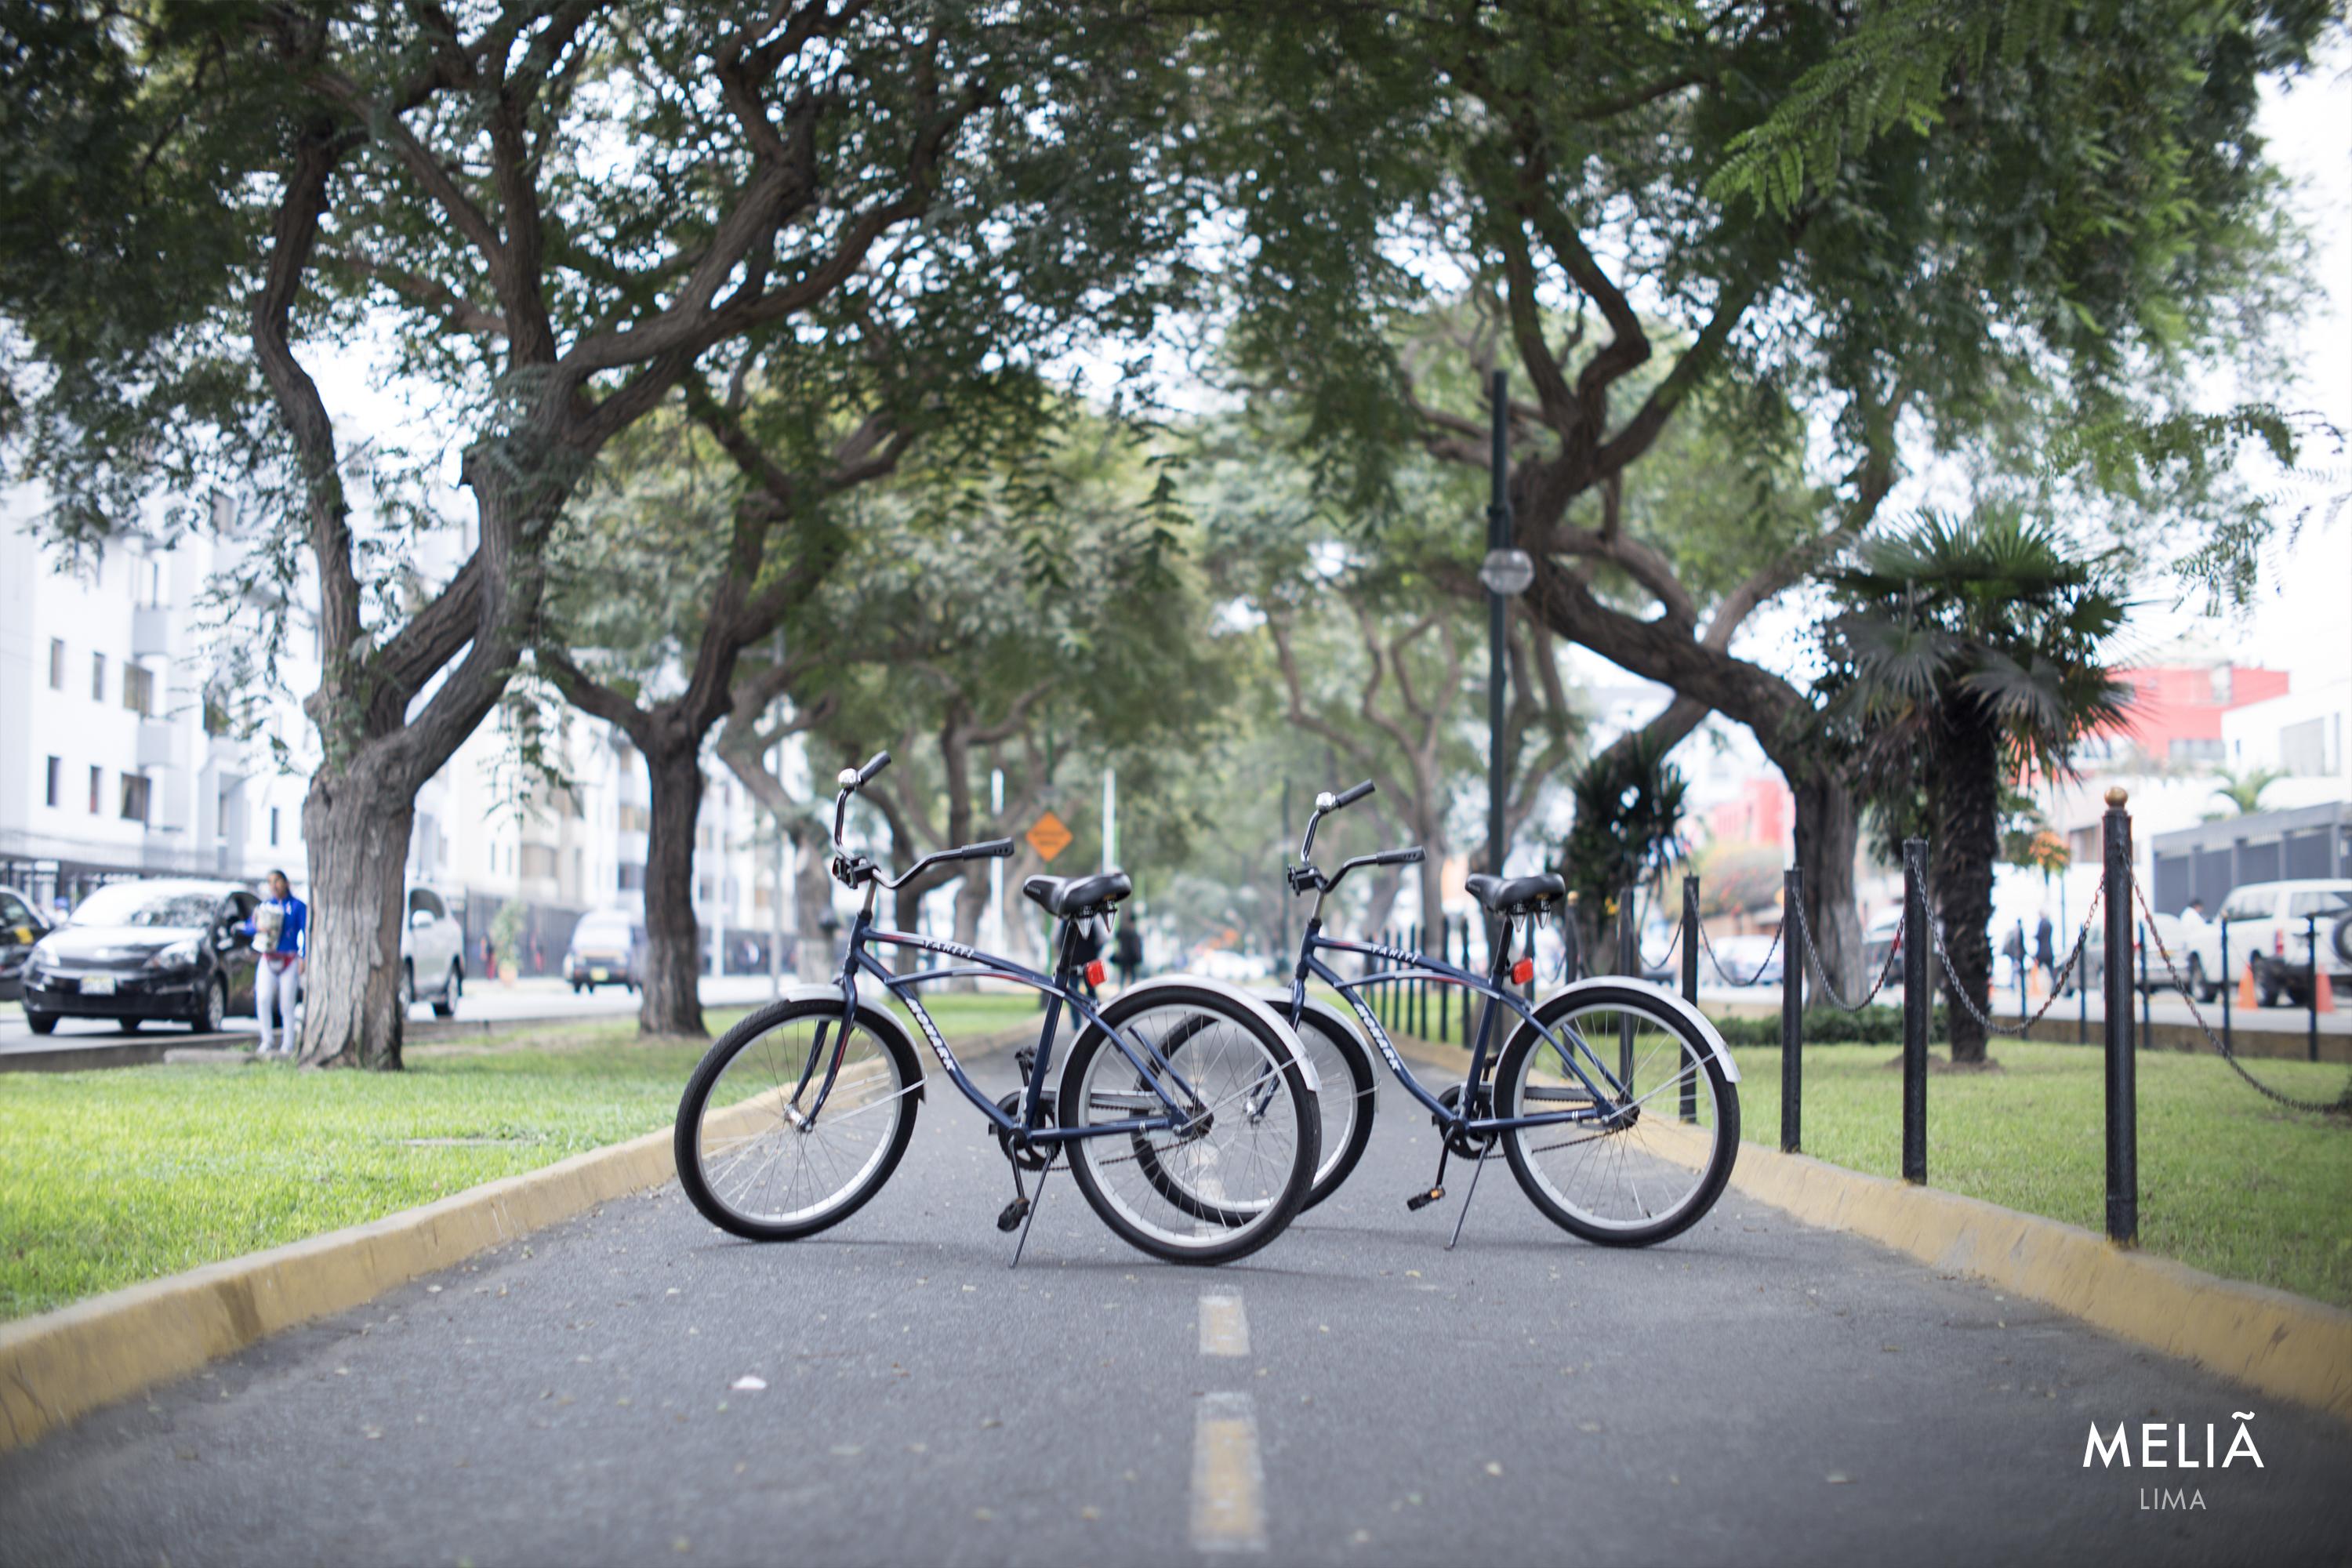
(2340, 1106)
(1715, 958)
(1673, 942)
(1885, 970)
(2057, 985)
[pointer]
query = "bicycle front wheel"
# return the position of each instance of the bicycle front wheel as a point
(750, 1154)
(1649, 1152)
(1228, 1184)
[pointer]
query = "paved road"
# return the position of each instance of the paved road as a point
(1754, 1392)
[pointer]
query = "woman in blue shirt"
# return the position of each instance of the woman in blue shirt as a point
(278, 928)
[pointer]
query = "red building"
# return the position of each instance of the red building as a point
(2176, 710)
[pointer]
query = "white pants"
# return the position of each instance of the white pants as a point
(283, 986)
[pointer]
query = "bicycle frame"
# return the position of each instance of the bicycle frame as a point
(857, 955)
(1605, 1102)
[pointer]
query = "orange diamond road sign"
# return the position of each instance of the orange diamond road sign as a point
(1048, 838)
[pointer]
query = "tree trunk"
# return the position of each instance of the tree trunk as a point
(671, 1002)
(1828, 826)
(970, 905)
(1965, 789)
(816, 952)
(356, 823)
(1387, 883)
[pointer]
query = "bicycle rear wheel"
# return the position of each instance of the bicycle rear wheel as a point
(1653, 1153)
(1225, 1187)
(749, 1156)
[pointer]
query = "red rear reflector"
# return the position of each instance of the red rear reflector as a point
(1523, 971)
(1095, 971)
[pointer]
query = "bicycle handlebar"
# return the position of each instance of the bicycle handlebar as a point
(1325, 803)
(1353, 796)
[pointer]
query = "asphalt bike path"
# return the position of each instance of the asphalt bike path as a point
(635, 1386)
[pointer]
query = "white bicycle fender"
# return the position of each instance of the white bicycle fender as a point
(1664, 998)
(1283, 1031)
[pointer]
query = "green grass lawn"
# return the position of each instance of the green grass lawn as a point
(2229, 1183)
(107, 1178)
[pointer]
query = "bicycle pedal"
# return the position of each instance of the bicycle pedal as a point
(1419, 1201)
(1015, 1213)
(1025, 1059)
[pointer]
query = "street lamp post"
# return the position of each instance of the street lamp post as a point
(1506, 571)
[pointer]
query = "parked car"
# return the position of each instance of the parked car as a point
(21, 926)
(2270, 923)
(2173, 937)
(1743, 959)
(432, 954)
(165, 949)
(608, 948)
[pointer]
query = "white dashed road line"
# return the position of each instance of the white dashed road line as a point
(1224, 1327)
(1228, 1483)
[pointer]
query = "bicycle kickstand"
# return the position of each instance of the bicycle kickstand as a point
(1476, 1169)
(1031, 1218)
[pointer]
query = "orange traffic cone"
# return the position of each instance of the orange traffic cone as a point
(2246, 987)
(2326, 1001)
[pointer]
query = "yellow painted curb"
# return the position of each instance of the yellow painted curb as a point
(63, 1364)
(2270, 1340)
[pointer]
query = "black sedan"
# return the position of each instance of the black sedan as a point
(133, 950)
(20, 927)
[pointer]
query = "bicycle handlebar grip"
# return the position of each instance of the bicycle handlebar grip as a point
(1353, 796)
(1398, 857)
(881, 760)
(995, 849)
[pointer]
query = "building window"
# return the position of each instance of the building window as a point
(633, 877)
(139, 689)
(98, 677)
(134, 797)
(57, 778)
(2303, 748)
(2187, 749)
(635, 818)
(97, 778)
(57, 664)
(273, 827)
(538, 860)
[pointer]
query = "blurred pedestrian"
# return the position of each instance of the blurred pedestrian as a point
(2013, 949)
(1126, 953)
(2045, 949)
(279, 929)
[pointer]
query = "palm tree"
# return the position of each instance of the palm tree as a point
(1967, 654)
(2243, 791)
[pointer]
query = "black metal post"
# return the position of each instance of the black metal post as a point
(1499, 537)
(2227, 1042)
(1629, 963)
(1691, 1066)
(2311, 991)
(1792, 1011)
(1420, 987)
(1573, 934)
(1915, 1010)
(2082, 973)
(1445, 992)
(2146, 992)
(2122, 1096)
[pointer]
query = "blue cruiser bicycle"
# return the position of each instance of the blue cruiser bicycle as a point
(1615, 1102)
(1186, 1111)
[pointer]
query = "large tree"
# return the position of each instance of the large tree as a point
(1034, 614)
(1966, 655)
(1976, 227)
(1049, 223)
(553, 209)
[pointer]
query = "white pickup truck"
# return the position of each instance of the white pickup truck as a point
(2272, 924)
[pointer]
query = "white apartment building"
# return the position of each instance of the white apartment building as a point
(121, 755)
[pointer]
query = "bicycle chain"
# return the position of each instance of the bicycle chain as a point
(2339, 1106)
(2057, 986)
